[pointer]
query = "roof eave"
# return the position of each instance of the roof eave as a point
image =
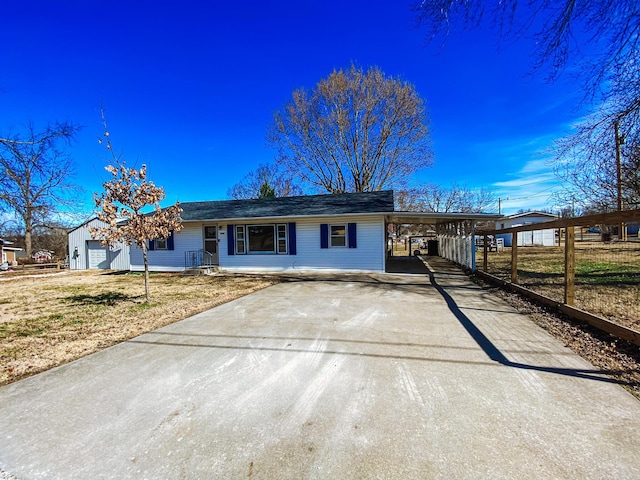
(286, 217)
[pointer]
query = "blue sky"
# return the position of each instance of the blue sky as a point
(190, 88)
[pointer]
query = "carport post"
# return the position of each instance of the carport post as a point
(514, 257)
(485, 253)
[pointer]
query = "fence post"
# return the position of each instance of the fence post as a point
(485, 253)
(569, 266)
(514, 257)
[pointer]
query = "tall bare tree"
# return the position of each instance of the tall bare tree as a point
(124, 206)
(35, 172)
(356, 131)
(432, 197)
(598, 43)
(596, 39)
(587, 162)
(269, 174)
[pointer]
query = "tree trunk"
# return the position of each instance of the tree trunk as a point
(146, 274)
(27, 235)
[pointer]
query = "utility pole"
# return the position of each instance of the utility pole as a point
(499, 206)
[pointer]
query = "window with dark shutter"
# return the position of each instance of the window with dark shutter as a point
(230, 240)
(324, 235)
(292, 238)
(352, 235)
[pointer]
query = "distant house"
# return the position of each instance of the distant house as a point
(543, 238)
(85, 253)
(316, 232)
(9, 254)
(42, 256)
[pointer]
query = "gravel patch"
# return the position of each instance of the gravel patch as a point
(7, 476)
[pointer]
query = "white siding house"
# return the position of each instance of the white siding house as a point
(85, 253)
(318, 232)
(542, 238)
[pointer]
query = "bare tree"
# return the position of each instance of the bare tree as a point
(355, 131)
(598, 43)
(455, 198)
(586, 161)
(598, 39)
(252, 185)
(122, 207)
(34, 175)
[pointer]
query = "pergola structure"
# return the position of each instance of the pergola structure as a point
(454, 223)
(453, 230)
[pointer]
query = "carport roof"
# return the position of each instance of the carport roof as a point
(435, 218)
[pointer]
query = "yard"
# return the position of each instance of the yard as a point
(49, 320)
(607, 281)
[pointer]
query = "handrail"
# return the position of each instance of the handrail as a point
(197, 258)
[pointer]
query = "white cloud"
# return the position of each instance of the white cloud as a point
(530, 188)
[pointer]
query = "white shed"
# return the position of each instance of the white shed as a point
(542, 238)
(85, 253)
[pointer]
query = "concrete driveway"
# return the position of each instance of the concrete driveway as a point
(381, 376)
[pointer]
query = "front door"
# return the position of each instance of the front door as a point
(211, 244)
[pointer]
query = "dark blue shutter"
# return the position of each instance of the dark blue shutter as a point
(170, 241)
(324, 235)
(152, 244)
(292, 239)
(352, 236)
(230, 240)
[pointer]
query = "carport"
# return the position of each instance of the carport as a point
(454, 233)
(329, 376)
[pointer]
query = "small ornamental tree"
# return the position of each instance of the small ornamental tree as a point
(121, 206)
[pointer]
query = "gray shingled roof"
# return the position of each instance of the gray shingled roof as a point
(308, 205)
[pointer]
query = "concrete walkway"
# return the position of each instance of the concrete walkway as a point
(364, 376)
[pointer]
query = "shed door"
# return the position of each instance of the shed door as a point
(97, 255)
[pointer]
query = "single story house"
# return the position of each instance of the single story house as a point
(543, 238)
(9, 254)
(315, 232)
(85, 253)
(339, 232)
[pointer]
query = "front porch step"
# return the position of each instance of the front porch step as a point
(207, 270)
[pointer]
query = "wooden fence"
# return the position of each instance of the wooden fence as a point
(596, 235)
(36, 266)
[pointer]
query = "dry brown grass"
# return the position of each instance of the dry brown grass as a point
(607, 276)
(51, 320)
